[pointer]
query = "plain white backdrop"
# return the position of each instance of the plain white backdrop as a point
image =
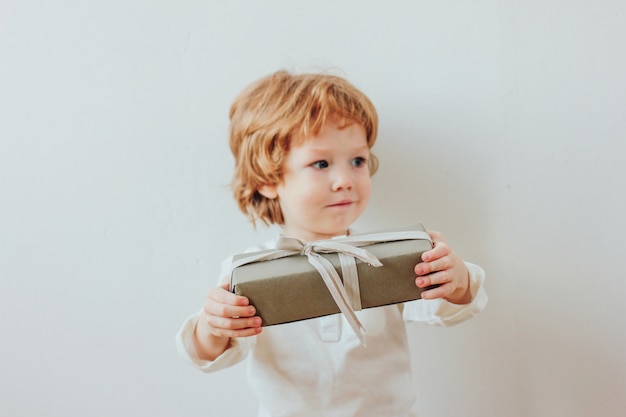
(502, 124)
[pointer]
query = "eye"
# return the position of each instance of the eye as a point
(320, 164)
(357, 162)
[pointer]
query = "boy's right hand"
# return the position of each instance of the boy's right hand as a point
(229, 315)
(224, 315)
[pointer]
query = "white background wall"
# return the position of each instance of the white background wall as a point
(502, 125)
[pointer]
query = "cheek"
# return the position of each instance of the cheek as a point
(310, 197)
(365, 187)
(309, 189)
(301, 197)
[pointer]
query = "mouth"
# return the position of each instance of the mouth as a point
(342, 203)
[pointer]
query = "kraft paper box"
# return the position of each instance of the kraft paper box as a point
(291, 289)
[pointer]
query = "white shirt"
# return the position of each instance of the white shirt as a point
(318, 367)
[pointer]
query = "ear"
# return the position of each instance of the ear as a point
(268, 191)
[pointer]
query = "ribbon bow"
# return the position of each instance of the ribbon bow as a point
(346, 295)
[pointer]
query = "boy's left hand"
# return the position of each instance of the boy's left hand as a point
(442, 267)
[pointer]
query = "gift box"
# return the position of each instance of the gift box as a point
(290, 288)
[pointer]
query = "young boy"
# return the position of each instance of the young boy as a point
(302, 147)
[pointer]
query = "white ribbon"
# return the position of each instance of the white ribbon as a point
(346, 295)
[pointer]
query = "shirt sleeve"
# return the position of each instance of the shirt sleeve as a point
(236, 352)
(444, 313)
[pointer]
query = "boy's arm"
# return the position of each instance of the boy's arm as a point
(440, 312)
(208, 346)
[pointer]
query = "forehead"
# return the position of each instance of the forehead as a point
(341, 142)
(335, 125)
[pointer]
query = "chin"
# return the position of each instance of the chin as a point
(338, 231)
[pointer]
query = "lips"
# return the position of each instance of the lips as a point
(342, 203)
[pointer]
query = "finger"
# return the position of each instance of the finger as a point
(440, 249)
(222, 295)
(224, 324)
(250, 331)
(228, 311)
(247, 332)
(437, 278)
(440, 264)
(441, 291)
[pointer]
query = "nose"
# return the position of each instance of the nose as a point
(342, 179)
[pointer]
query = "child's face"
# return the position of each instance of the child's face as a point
(326, 183)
